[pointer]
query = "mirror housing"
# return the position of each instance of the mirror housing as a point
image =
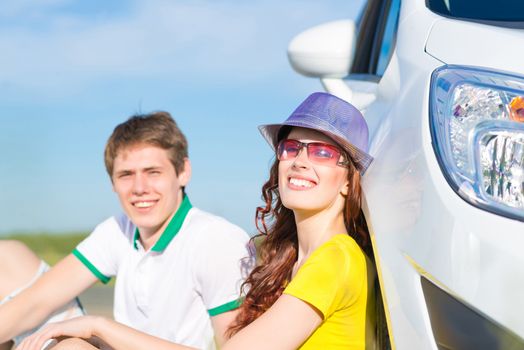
(324, 51)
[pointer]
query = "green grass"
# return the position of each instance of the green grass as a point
(50, 247)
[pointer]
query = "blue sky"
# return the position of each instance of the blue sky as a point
(72, 70)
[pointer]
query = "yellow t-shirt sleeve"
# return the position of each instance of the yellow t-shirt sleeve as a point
(328, 280)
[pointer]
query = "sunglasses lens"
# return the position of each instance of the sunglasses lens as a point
(323, 154)
(317, 152)
(288, 149)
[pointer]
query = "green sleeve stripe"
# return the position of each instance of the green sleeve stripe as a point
(103, 278)
(224, 308)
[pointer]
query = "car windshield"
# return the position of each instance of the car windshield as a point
(480, 10)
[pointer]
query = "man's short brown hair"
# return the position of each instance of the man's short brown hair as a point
(156, 129)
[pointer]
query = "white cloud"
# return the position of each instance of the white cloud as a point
(155, 39)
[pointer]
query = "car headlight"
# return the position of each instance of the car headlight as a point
(477, 126)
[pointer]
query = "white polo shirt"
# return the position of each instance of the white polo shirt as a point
(194, 271)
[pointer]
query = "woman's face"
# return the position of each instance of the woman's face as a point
(305, 186)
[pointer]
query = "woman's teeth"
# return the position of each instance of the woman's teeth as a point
(301, 182)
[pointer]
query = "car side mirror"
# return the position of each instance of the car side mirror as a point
(324, 51)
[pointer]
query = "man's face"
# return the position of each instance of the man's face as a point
(148, 187)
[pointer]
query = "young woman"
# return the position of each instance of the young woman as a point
(311, 286)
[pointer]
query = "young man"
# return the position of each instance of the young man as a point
(178, 268)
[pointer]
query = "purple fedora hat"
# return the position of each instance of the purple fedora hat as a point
(333, 117)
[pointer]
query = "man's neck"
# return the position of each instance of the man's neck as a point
(148, 237)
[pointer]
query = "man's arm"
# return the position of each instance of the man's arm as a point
(35, 304)
(285, 325)
(221, 324)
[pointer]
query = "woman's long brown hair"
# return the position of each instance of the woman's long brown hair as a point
(278, 245)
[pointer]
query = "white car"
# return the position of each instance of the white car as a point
(441, 84)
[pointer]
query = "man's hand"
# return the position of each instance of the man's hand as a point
(79, 327)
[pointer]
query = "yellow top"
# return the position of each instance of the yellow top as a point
(334, 279)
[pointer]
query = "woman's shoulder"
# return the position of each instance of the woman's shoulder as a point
(342, 254)
(342, 246)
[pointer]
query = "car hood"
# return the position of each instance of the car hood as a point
(473, 44)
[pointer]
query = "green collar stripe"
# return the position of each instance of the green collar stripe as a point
(232, 305)
(136, 238)
(103, 278)
(174, 225)
(172, 228)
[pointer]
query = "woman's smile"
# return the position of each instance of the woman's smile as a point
(300, 183)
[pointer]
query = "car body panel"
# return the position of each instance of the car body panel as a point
(419, 225)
